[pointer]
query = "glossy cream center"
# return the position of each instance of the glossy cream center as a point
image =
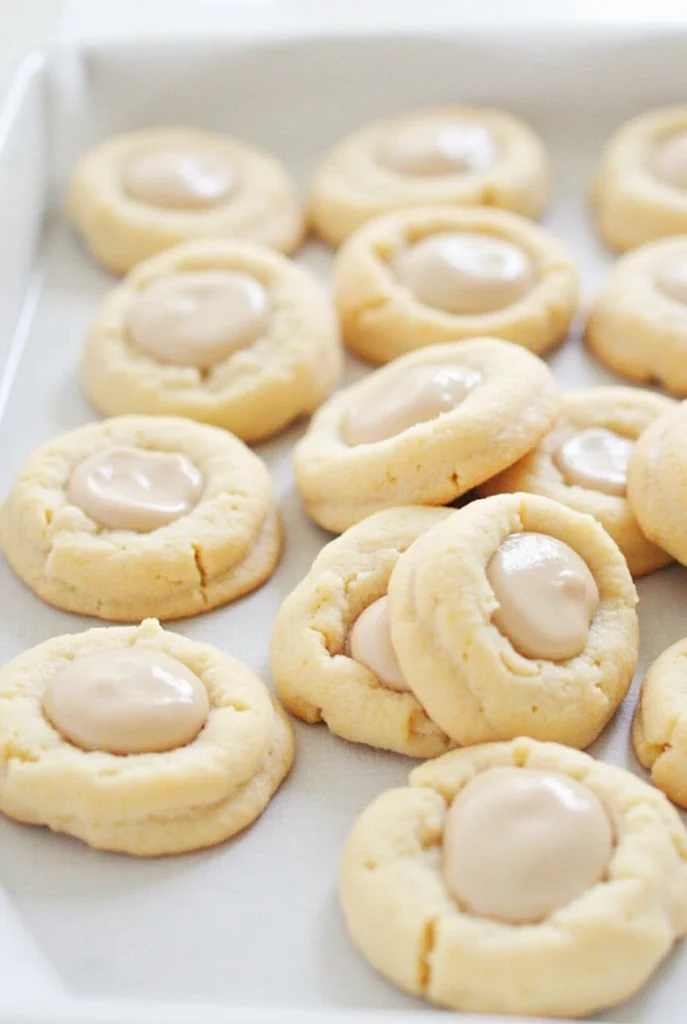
(465, 272)
(546, 593)
(180, 179)
(670, 160)
(127, 701)
(369, 643)
(198, 318)
(671, 277)
(519, 844)
(125, 488)
(416, 396)
(438, 146)
(597, 459)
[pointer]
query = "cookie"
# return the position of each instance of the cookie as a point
(640, 188)
(331, 652)
(423, 430)
(659, 727)
(141, 516)
(225, 333)
(439, 273)
(134, 195)
(517, 878)
(441, 155)
(656, 482)
(138, 740)
(582, 463)
(516, 616)
(638, 323)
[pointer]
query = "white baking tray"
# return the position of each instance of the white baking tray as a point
(251, 931)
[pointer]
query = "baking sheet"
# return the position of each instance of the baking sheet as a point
(253, 927)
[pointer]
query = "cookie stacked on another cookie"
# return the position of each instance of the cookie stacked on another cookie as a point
(516, 616)
(420, 627)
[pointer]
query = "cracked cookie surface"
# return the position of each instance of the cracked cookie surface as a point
(314, 671)
(253, 390)
(486, 253)
(508, 400)
(591, 953)
(224, 546)
(467, 671)
(146, 804)
(129, 207)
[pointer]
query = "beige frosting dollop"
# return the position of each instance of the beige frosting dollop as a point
(125, 488)
(369, 642)
(669, 160)
(465, 273)
(547, 596)
(519, 844)
(198, 318)
(180, 179)
(671, 277)
(437, 146)
(596, 458)
(127, 701)
(416, 396)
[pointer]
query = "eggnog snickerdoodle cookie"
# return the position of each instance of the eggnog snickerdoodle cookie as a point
(138, 740)
(657, 482)
(134, 195)
(141, 515)
(640, 189)
(331, 653)
(424, 430)
(441, 155)
(516, 616)
(227, 333)
(659, 728)
(435, 274)
(520, 877)
(638, 323)
(582, 463)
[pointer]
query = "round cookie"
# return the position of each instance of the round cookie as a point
(433, 875)
(659, 727)
(640, 188)
(423, 430)
(331, 662)
(442, 155)
(97, 740)
(438, 273)
(656, 482)
(225, 333)
(141, 516)
(516, 616)
(582, 463)
(638, 323)
(134, 195)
